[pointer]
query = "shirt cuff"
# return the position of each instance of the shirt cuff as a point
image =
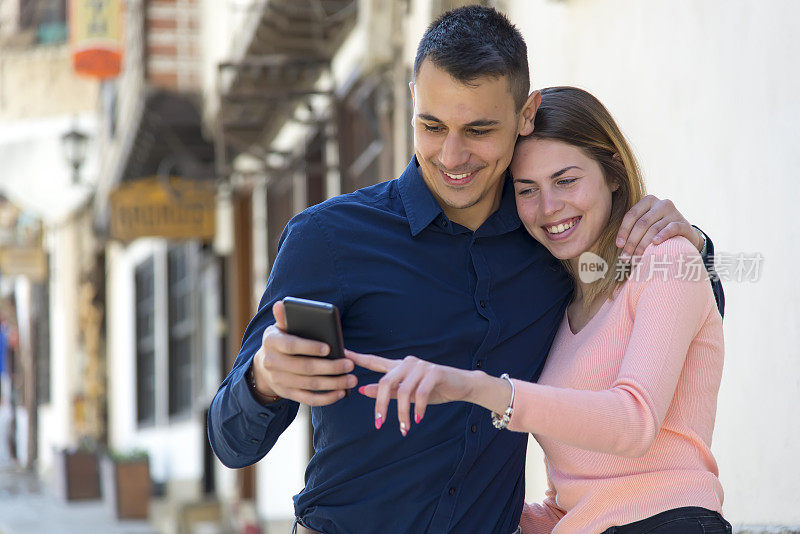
(257, 416)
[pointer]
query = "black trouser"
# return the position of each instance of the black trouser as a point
(689, 520)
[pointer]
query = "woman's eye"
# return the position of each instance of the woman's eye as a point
(526, 192)
(567, 181)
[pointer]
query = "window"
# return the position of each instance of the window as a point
(48, 19)
(364, 134)
(181, 328)
(145, 343)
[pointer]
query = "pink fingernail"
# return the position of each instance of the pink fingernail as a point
(417, 418)
(378, 421)
(362, 389)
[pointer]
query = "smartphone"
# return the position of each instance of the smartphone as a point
(315, 320)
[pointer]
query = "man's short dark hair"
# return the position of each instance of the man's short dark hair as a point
(474, 41)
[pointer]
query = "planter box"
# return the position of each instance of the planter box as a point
(76, 475)
(127, 488)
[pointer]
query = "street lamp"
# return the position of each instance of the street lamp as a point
(74, 143)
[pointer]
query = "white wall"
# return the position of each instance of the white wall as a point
(707, 93)
(175, 447)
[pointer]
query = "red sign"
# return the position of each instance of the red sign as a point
(96, 37)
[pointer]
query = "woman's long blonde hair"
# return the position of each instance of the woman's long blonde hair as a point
(575, 117)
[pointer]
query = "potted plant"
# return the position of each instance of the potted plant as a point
(127, 484)
(76, 474)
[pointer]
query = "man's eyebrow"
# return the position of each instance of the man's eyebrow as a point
(552, 176)
(483, 122)
(478, 123)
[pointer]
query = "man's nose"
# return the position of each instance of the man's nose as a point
(453, 154)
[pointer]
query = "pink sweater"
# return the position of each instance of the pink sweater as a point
(624, 409)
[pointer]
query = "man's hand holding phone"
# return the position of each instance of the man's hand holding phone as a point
(295, 368)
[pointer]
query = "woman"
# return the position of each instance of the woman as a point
(624, 409)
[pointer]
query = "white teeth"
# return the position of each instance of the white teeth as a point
(561, 227)
(457, 176)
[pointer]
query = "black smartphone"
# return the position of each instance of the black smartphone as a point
(315, 320)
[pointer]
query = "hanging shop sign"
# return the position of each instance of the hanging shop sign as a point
(21, 252)
(95, 31)
(174, 208)
(28, 262)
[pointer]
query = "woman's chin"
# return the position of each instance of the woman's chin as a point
(559, 252)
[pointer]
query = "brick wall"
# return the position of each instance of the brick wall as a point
(173, 47)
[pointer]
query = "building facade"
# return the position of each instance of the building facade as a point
(275, 106)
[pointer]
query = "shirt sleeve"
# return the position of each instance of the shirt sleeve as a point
(669, 310)
(716, 284)
(241, 429)
(542, 518)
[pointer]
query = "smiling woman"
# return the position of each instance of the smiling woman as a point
(592, 180)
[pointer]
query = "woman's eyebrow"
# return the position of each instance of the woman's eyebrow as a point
(552, 176)
(562, 171)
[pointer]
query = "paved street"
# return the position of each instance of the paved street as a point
(27, 508)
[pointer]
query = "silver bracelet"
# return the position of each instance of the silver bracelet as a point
(501, 421)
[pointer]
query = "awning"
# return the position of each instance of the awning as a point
(292, 44)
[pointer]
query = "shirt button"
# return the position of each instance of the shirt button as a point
(254, 440)
(452, 491)
(479, 364)
(263, 415)
(483, 304)
(474, 428)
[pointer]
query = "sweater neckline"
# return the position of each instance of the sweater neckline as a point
(596, 317)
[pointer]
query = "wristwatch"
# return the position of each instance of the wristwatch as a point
(704, 250)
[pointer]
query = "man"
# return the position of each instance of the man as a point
(436, 264)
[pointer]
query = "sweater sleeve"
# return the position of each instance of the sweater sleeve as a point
(669, 309)
(542, 518)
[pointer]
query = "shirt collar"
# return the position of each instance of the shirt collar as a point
(505, 219)
(420, 205)
(422, 208)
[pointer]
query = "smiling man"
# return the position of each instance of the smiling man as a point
(434, 263)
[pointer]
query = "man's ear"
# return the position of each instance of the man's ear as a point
(411, 88)
(528, 113)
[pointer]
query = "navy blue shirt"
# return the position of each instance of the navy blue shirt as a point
(407, 281)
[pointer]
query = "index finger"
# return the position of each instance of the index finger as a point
(631, 217)
(370, 361)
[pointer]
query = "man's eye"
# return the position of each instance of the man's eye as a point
(478, 133)
(429, 128)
